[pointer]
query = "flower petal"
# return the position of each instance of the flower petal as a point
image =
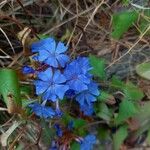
(77, 85)
(42, 111)
(52, 62)
(62, 59)
(40, 86)
(46, 75)
(61, 48)
(90, 98)
(80, 99)
(58, 77)
(44, 44)
(60, 90)
(49, 95)
(93, 89)
(43, 55)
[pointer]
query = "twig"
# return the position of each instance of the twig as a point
(91, 18)
(68, 20)
(129, 49)
(7, 39)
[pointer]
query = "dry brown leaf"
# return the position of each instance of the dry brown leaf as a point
(25, 39)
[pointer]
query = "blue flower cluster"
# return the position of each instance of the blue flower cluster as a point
(63, 77)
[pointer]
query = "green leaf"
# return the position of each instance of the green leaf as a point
(98, 66)
(119, 137)
(78, 123)
(26, 90)
(143, 70)
(104, 96)
(103, 111)
(148, 137)
(103, 133)
(47, 133)
(42, 36)
(75, 146)
(9, 85)
(127, 109)
(122, 21)
(104, 136)
(117, 83)
(66, 118)
(132, 92)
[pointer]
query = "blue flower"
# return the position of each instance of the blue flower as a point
(42, 111)
(76, 77)
(50, 53)
(88, 110)
(27, 70)
(88, 96)
(51, 85)
(84, 64)
(59, 131)
(42, 44)
(88, 142)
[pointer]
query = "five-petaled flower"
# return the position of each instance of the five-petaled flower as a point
(50, 53)
(88, 96)
(51, 85)
(76, 75)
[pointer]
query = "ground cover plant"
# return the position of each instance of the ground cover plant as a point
(74, 75)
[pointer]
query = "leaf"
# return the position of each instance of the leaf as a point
(47, 133)
(148, 137)
(98, 66)
(119, 137)
(117, 83)
(143, 115)
(9, 88)
(127, 109)
(26, 90)
(25, 39)
(143, 70)
(132, 92)
(103, 134)
(78, 123)
(66, 118)
(122, 21)
(75, 146)
(106, 97)
(103, 112)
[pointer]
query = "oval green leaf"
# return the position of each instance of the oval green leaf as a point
(143, 70)
(9, 86)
